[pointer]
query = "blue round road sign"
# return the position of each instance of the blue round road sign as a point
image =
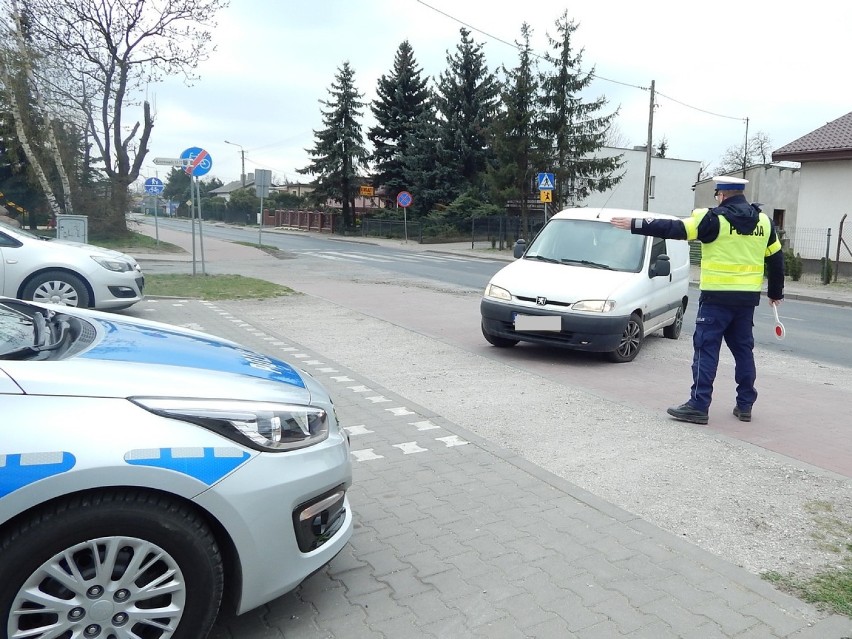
(201, 162)
(404, 199)
(154, 186)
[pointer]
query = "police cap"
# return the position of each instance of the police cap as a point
(725, 183)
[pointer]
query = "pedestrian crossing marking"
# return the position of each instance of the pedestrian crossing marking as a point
(353, 256)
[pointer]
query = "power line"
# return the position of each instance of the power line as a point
(594, 75)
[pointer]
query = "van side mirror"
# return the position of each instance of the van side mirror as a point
(519, 248)
(662, 267)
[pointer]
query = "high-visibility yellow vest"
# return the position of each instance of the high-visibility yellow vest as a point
(733, 261)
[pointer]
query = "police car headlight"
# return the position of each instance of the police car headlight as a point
(119, 266)
(498, 293)
(268, 426)
(595, 306)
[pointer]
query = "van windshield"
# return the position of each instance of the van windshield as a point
(588, 243)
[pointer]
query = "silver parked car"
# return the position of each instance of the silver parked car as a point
(145, 470)
(69, 273)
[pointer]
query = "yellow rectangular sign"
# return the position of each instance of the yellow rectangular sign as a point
(545, 196)
(366, 191)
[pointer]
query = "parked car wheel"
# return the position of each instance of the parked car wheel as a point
(57, 287)
(672, 331)
(110, 565)
(494, 340)
(631, 341)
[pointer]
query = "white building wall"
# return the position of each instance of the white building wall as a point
(672, 180)
(825, 193)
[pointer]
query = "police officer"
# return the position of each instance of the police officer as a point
(737, 243)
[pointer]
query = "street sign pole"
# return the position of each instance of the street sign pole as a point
(200, 231)
(156, 219)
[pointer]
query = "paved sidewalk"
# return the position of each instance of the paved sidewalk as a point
(458, 537)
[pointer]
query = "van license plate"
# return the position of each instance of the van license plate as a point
(538, 323)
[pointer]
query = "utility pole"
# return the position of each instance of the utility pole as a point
(646, 195)
(745, 150)
(243, 159)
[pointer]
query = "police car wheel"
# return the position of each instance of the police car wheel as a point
(631, 341)
(495, 340)
(57, 287)
(673, 330)
(111, 564)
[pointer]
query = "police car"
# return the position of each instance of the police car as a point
(148, 472)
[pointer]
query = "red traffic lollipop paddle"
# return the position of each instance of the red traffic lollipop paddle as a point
(779, 327)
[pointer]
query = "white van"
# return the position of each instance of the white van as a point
(586, 285)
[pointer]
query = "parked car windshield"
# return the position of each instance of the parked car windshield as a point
(17, 231)
(594, 244)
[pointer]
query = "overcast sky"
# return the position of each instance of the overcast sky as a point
(782, 65)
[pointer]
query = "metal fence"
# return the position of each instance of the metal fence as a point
(820, 255)
(500, 230)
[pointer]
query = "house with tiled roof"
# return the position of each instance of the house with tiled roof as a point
(825, 184)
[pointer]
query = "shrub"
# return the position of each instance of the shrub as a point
(793, 265)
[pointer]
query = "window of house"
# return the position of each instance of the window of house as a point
(651, 183)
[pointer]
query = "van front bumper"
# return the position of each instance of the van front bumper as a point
(600, 333)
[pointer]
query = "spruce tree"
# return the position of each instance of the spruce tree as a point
(515, 134)
(466, 99)
(339, 151)
(402, 98)
(571, 128)
(427, 167)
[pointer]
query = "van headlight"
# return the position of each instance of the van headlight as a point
(267, 426)
(594, 306)
(498, 293)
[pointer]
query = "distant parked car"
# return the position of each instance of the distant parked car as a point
(58, 272)
(146, 470)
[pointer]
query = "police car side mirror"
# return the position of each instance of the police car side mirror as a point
(662, 267)
(519, 248)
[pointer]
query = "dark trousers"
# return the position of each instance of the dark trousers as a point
(735, 324)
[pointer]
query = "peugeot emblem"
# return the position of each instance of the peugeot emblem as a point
(541, 301)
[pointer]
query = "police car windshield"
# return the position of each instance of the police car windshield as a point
(17, 331)
(588, 243)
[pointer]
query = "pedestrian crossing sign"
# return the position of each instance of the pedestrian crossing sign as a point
(545, 181)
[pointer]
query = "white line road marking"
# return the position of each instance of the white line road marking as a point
(365, 455)
(378, 398)
(424, 425)
(400, 411)
(357, 430)
(409, 448)
(452, 440)
(360, 389)
(341, 378)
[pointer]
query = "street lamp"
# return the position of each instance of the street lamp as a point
(243, 157)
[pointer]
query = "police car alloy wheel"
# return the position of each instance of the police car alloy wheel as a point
(110, 564)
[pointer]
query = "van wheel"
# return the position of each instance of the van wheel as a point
(631, 341)
(672, 331)
(494, 340)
